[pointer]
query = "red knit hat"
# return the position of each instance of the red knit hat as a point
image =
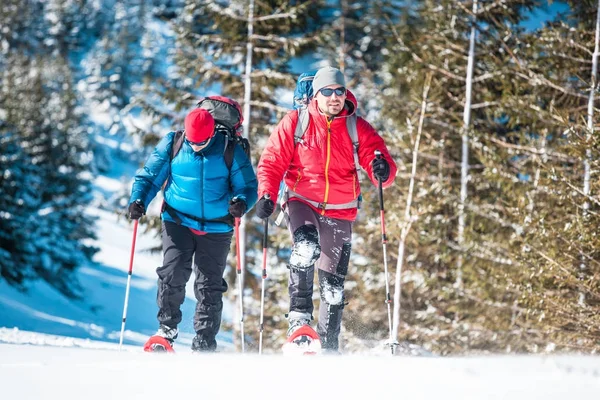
(199, 125)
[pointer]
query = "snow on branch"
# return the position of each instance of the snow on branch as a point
(281, 39)
(229, 12)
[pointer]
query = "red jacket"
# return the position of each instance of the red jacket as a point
(322, 167)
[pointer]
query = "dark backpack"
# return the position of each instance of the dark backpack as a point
(228, 121)
(228, 117)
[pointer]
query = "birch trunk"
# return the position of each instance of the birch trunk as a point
(407, 216)
(246, 134)
(590, 131)
(464, 170)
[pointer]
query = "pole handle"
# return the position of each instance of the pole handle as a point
(266, 234)
(378, 155)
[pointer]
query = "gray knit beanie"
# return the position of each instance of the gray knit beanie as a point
(327, 76)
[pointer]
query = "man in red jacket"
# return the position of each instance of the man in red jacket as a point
(322, 196)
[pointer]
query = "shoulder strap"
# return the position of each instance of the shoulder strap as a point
(353, 132)
(302, 125)
(177, 143)
(228, 153)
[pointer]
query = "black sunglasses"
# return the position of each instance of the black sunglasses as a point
(203, 143)
(338, 91)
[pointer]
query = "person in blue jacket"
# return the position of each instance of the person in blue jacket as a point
(202, 196)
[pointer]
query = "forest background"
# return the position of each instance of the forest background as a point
(493, 219)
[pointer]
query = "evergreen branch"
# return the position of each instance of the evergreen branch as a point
(580, 192)
(490, 7)
(487, 75)
(272, 74)
(485, 104)
(571, 58)
(535, 79)
(486, 212)
(580, 250)
(528, 74)
(228, 12)
(269, 106)
(533, 150)
(417, 58)
(281, 39)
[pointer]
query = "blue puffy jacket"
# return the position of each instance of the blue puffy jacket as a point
(198, 184)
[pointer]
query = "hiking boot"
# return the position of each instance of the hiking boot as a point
(201, 344)
(296, 320)
(168, 333)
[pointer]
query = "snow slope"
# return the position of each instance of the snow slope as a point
(98, 315)
(36, 372)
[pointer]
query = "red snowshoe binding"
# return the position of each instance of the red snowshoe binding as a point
(303, 341)
(158, 344)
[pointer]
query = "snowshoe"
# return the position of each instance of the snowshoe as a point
(158, 344)
(303, 341)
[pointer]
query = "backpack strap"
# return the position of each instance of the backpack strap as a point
(176, 145)
(353, 132)
(178, 139)
(228, 153)
(302, 125)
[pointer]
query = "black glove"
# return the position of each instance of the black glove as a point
(136, 210)
(264, 208)
(237, 207)
(381, 169)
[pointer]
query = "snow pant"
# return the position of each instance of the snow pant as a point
(325, 243)
(209, 254)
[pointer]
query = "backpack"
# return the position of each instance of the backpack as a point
(228, 117)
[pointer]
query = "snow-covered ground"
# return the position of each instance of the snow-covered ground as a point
(95, 371)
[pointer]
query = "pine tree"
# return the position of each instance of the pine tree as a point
(19, 185)
(46, 145)
(434, 39)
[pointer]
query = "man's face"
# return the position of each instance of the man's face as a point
(331, 99)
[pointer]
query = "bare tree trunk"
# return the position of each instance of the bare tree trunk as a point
(246, 134)
(342, 47)
(464, 170)
(590, 131)
(407, 217)
(536, 180)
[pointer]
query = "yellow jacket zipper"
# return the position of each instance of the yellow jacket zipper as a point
(327, 160)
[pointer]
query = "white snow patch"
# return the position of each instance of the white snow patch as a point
(333, 295)
(303, 254)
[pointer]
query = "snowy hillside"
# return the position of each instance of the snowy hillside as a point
(98, 315)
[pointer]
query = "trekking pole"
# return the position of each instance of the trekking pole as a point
(135, 227)
(264, 277)
(388, 299)
(239, 276)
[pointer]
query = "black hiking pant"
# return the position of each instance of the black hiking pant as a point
(325, 243)
(209, 255)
